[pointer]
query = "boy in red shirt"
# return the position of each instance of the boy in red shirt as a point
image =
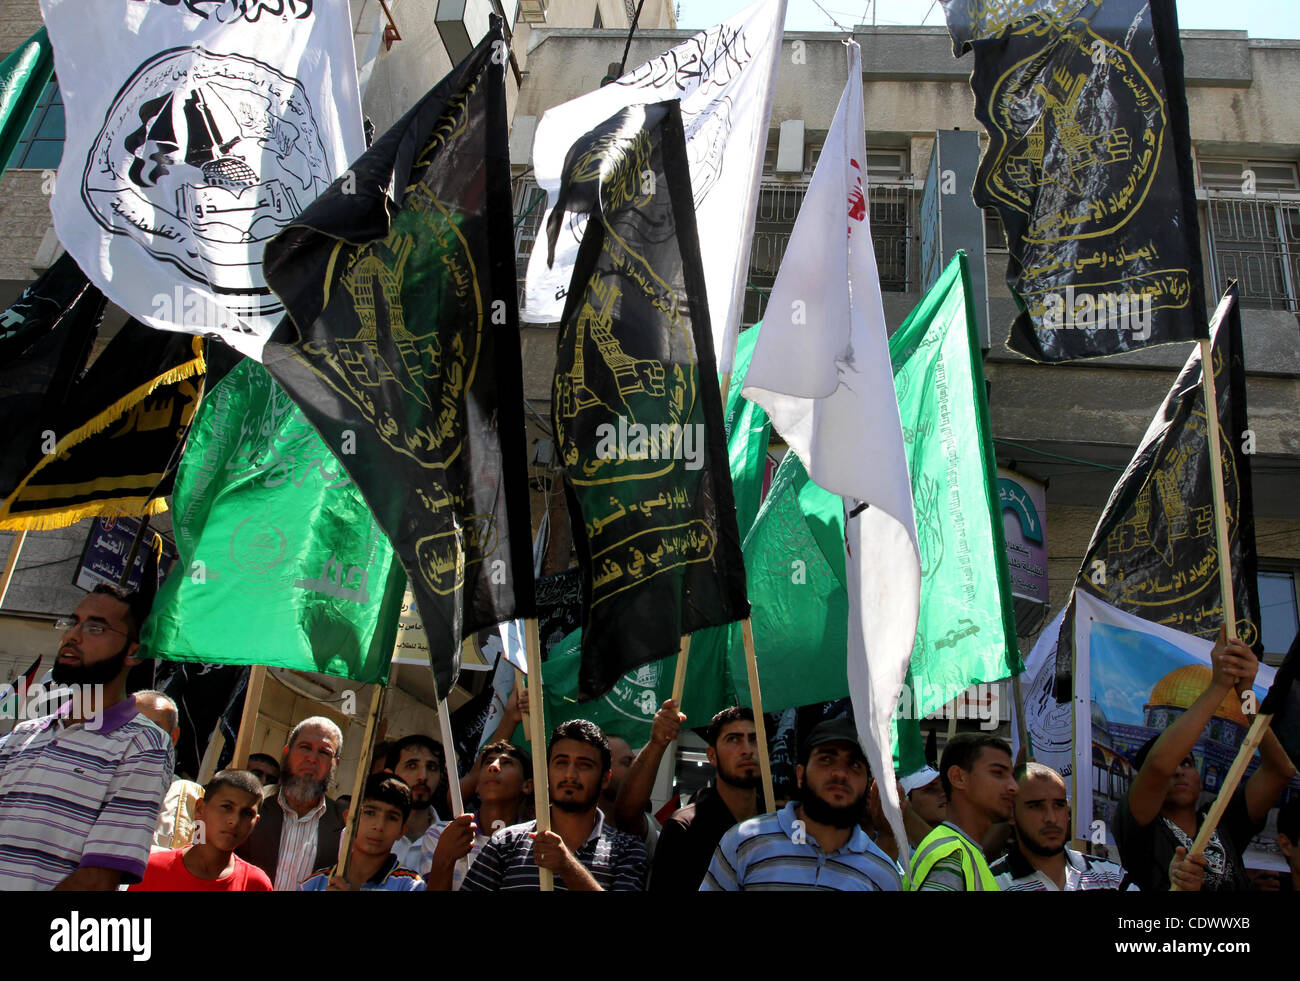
(224, 819)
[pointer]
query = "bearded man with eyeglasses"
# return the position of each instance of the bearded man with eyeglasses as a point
(80, 789)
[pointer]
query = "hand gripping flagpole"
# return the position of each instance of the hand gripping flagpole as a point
(1224, 544)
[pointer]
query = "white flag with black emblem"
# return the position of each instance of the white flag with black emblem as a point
(196, 131)
(724, 78)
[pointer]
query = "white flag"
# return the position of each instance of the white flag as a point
(724, 78)
(821, 370)
(195, 133)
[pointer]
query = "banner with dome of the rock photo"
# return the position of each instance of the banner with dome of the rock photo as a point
(196, 131)
(1138, 677)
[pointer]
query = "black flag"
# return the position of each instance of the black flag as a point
(1154, 552)
(636, 408)
(1089, 165)
(1283, 703)
(45, 339)
(117, 433)
(402, 348)
(468, 721)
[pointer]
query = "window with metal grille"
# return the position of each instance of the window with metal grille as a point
(778, 206)
(995, 233)
(1253, 221)
(41, 145)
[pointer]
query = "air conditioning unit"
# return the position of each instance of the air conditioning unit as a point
(533, 11)
(462, 23)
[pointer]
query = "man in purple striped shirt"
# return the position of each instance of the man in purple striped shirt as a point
(80, 789)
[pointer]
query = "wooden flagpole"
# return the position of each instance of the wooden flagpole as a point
(756, 701)
(248, 720)
(363, 771)
(11, 563)
(679, 679)
(452, 776)
(449, 747)
(537, 737)
(1223, 543)
(1229, 787)
(212, 753)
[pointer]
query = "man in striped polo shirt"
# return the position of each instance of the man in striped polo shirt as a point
(816, 842)
(582, 849)
(80, 789)
(1039, 859)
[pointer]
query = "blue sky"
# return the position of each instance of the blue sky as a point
(1124, 667)
(1262, 18)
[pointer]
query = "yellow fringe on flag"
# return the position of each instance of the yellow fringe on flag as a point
(54, 518)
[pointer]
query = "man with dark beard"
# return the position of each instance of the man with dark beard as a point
(690, 836)
(816, 842)
(581, 849)
(300, 827)
(1039, 859)
(421, 762)
(80, 789)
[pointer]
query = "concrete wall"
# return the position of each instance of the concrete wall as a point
(19, 20)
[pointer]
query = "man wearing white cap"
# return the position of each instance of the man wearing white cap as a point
(925, 793)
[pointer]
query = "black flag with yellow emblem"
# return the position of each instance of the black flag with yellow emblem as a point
(402, 349)
(1154, 552)
(116, 434)
(636, 407)
(1089, 166)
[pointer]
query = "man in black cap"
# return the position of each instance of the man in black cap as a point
(815, 842)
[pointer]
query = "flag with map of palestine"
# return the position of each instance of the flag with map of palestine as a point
(636, 407)
(402, 349)
(1089, 166)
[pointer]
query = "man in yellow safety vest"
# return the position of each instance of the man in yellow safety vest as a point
(977, 778)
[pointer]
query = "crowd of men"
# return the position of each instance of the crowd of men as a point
(93, 804)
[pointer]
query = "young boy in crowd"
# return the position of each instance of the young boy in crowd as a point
(223, 820)
(385, 809)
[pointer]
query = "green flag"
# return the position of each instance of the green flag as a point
(794, 553)
(23, 77)
(966, 633)
(748, 430)
(280, 561)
